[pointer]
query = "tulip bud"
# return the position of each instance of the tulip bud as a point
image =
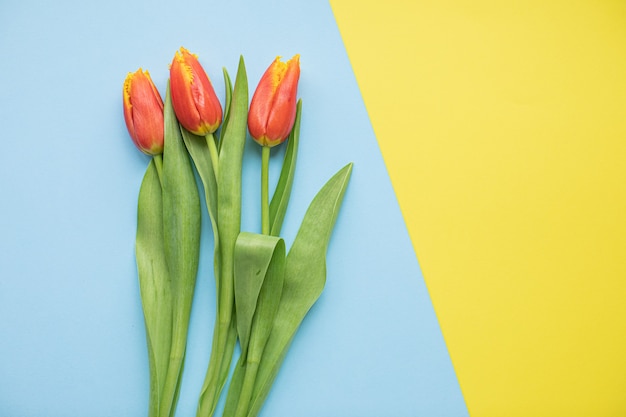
(143, 112)
(195, 103)
(273, 106)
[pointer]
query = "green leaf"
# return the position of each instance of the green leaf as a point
(305, 276)
(228, 224)
(280, 199)
(229, 178)
(200, 154)
(181, 226)
(154, 282)
(228, 88)
(257, 257)
(259, 277)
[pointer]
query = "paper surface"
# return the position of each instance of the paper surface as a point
(73, 341)
(502, 127)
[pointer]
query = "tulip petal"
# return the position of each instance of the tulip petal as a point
(143, 112)
(273, 106)
(283, 111)
(196, 105)
(181, 78)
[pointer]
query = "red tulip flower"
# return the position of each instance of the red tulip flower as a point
(143, 112)
(195, 103)
(273, 106)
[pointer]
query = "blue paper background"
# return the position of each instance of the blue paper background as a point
(72, 341)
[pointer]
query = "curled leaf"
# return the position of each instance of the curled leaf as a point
(305, 276)
(259, 276)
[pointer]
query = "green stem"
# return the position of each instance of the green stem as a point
(210, 391)
(265, 204)
(246, 390)
(219, 362)
(210, 140)
(219, 365)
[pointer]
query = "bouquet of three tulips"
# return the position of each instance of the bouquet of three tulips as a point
(263, 290)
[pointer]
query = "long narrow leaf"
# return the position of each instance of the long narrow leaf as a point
(228, 223)
(154, 282)
(228, 88)
(199, 152)
(181, 226)
(305, 276)
(229, 179)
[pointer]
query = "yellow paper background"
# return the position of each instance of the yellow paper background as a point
(502, 124)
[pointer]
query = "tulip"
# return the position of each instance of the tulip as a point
(273, 106)
(143, 112)
(195, 103)
(271, 117)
